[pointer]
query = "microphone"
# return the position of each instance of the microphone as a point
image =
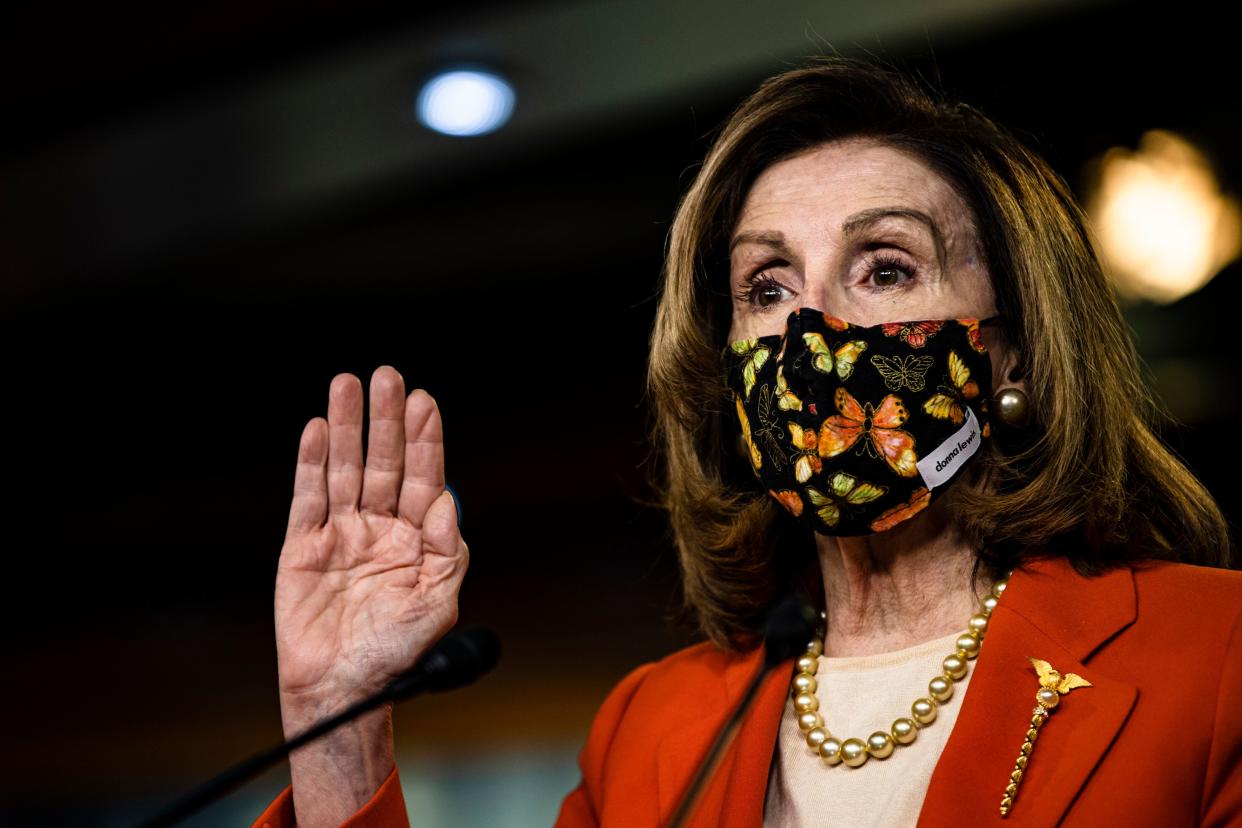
(459, 658)
(786, 630)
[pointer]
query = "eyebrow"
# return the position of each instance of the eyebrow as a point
(852, 226)
(859, 222)
(768, 238)
(863, 221)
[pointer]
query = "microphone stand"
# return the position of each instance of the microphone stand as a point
(440, 669)
(787, 630)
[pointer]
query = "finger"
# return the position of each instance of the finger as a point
(423, 479)
(344, 443)
(310, 483)
(440, 530)
(381, 479)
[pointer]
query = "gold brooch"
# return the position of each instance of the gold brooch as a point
(1052, 685)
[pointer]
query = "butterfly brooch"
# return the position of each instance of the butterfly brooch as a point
(1052, 685)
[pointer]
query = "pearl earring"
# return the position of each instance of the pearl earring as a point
(1013, 407)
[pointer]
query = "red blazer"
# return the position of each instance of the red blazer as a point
(1156, 741)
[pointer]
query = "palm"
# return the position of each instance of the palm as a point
(372, 561)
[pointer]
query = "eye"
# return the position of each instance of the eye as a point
(888, 271)
(766, 292)
(762, 291)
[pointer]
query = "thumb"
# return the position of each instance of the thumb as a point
(441, 530)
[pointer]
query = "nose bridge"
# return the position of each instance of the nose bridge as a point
(816, 296)
(820, 279)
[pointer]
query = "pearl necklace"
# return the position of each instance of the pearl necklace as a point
(854, 752)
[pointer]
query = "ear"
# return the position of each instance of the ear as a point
(1009, 369)
(1008, 365)
(1014, 410)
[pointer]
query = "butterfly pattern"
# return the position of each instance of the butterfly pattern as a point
(756, 459)
(903, 372)
(902, 511)
(878, 427)
(769, 430)
(826, 360)
(806, 452)
(789, 499)
(786, 400)
(836, 418)
(844, 491)
(821, 357)
(973, 335)
(914, 334)
(951, 400)
(846, 355)
(754, 357)
(835, 323)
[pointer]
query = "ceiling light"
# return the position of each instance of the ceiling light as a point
(465, 102)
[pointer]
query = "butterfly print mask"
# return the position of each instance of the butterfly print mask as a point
(855, 430)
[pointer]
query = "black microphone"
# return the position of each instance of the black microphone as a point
(786, 631)
(789, 627)
(459, 658)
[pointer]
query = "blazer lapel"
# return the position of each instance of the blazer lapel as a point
(735, 795)
(754, 747)
(1051, 613)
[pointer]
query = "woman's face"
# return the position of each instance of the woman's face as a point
(859, 230)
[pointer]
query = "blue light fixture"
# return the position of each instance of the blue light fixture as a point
(465, 102)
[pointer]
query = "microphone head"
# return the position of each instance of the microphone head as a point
(789, 626)
(483, 645)
(459, 658)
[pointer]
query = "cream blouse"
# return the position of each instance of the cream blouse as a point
(859, 695)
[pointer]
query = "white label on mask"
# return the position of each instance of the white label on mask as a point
(943, 461)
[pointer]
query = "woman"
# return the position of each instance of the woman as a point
(888, 375)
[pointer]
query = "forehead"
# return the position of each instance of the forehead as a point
(820, 188)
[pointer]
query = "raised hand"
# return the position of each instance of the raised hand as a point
(369, 572)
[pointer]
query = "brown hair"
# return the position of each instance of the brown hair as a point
(1090, 481)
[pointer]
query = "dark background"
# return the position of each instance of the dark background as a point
(173, 312)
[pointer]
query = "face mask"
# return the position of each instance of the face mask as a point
(855, 430)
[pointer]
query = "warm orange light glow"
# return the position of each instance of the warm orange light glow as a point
(1163, 225)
